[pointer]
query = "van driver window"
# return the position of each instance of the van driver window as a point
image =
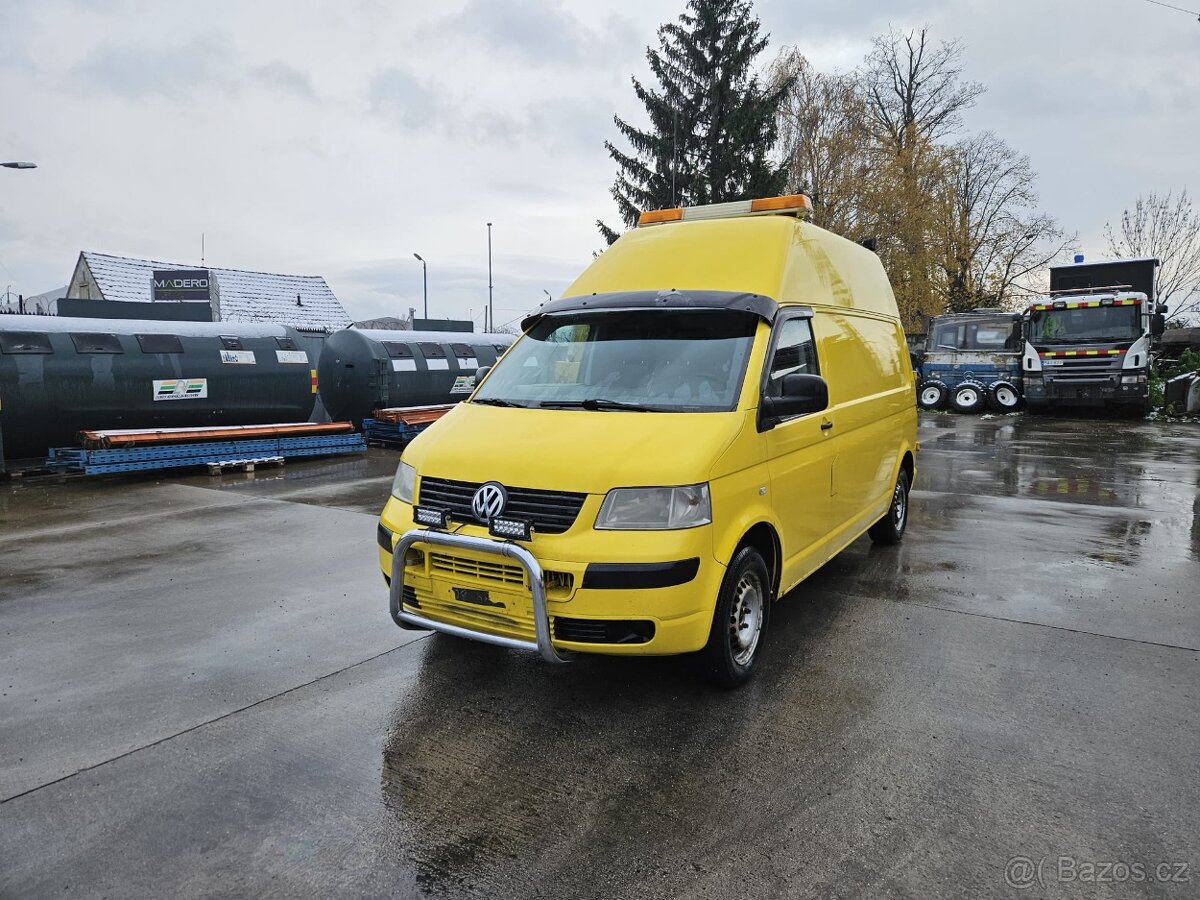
(794, 354)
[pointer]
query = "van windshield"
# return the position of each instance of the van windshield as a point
(653, 360)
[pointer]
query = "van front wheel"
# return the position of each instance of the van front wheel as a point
(890, 529)
(739, 621)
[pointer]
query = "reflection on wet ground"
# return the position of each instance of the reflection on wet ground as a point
(203, 695)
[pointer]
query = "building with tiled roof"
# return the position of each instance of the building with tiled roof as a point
(301, 301)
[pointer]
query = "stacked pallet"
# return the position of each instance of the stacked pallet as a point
(396, 426)
(242, 447)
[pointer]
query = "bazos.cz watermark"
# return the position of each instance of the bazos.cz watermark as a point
(1023, 872)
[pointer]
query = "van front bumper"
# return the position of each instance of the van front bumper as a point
(541, 619)
(500, 593)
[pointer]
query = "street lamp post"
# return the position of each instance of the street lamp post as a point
(491, 314)
(18, 165)
(424, 282)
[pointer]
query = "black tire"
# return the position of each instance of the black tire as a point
(1003, 396)
(968, 397)
(932, 395)
(890, 529)
(744, 602)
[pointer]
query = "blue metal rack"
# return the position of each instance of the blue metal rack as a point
(167, 456)
(378, 431)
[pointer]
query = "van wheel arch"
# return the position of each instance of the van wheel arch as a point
(762, 537)
(908, 464)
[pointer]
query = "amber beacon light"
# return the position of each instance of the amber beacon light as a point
(792, 204)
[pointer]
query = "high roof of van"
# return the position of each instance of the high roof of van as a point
(781, 257)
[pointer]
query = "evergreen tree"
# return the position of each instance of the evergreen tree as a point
(712, 123)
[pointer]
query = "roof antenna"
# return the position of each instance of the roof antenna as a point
(202, 248)
(298, 303)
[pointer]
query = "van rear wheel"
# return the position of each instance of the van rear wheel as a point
(739, 621)
(890, 529)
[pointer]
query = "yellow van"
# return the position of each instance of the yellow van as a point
(719, 404)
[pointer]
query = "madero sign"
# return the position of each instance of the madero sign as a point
(180, 284)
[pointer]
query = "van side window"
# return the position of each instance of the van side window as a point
(795, 353)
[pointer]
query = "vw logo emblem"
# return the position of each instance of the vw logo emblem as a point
(489, 501)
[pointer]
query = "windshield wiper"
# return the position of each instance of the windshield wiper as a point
(496, 401)
(599, 403)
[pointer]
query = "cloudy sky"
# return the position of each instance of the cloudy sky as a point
(338, 138)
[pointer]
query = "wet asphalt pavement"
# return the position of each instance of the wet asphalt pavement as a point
(202, 695)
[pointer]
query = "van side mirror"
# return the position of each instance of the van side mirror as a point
(1158, 324)
(802, 394)
(481, 372)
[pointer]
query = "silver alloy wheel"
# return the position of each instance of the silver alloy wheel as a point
(899, 507)
(931, 395)
(745, 619)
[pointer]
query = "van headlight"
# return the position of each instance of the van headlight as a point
(655, 509)
(404, 482)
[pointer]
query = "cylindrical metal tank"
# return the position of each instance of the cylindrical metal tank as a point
(363, 370)
(61, 375)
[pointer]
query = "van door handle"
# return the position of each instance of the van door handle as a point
(825, 426)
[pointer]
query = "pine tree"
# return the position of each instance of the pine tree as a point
(712, 123)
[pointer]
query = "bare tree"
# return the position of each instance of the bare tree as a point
(914, 90)
(914, 97)
(821, 137)
(994, 236)
(955, 225)
(1168, 228)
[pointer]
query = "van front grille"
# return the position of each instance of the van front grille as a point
(447, 566)
(552, 512)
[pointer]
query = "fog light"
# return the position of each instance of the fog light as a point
(513, 529)
(427, 515)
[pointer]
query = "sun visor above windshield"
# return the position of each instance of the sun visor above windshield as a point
(763, 307)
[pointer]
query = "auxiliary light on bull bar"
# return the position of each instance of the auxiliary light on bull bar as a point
(513, 529)
(428, 515)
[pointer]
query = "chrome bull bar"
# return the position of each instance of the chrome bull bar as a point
(541, 618)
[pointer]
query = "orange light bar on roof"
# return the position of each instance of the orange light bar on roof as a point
(782, 204)
(793, 204)
(655, 216)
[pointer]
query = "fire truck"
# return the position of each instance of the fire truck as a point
(1088, 342)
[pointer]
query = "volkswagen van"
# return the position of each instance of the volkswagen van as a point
(717, 406)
